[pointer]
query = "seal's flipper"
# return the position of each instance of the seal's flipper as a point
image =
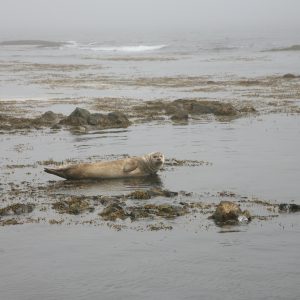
(57, 172)
(130, 165)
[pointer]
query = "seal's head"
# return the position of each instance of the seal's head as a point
(156, 159)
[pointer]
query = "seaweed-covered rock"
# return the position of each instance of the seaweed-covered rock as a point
(47, 119)
(78, 117)
(17, 209)
(118, 119)
(154, 192)
(141, 195)
(50, 117)
(284, 207)
(73, 206)
(289, 76)
(112, 212)
(165, 211)
(228, 212)
(180, 116)
(247, 109)
(82, 117)
(10, 222)
(206, 107)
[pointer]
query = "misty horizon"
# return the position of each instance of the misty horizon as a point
(68, 19)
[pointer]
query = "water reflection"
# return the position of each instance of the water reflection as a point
(106, 186)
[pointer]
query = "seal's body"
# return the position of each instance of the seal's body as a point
(145, 165)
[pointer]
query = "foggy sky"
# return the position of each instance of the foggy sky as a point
(37, 17)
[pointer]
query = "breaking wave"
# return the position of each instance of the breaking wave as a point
(100, 48)
(81, 46)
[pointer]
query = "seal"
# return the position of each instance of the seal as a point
(142, 166)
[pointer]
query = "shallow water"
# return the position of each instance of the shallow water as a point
(255, 156)
(249, 156)
(75, 262)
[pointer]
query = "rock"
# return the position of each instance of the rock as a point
(73, 206)
(247, 109)
(17, 209)
(56, 127)
(181, 115)
(50, 116)
(96, 119)
(284, 207)
(112, 212)
(118, 119)
(228, 212)
(9, 222)
(81, 117)
(47, 119)
(206, 107)
(78, 117)
(154, 192)
(289, 76)
(166, 211)
(141, 195)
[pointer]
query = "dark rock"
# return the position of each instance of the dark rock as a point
(118, 119)
(56, 127)
(78, 117)
(49, 118)
(96, 119)
(180, 115)
(289, 76)
(206, 107)
(284, 207)
(82, 117)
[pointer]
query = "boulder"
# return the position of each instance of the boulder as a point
(78, 117)
(82, 117)
(206, 107)
(284, 207)
(228, 212)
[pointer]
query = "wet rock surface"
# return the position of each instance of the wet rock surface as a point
(73, 206)
(182, 109)
(155, 192)
(284, 207)
(228, 212)
(205, 107)
(79, 118)
(113, 212)
(82, 117)
(17, 209)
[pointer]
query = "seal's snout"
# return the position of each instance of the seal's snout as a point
(158, 158)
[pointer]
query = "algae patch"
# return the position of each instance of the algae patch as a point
(73, 206)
